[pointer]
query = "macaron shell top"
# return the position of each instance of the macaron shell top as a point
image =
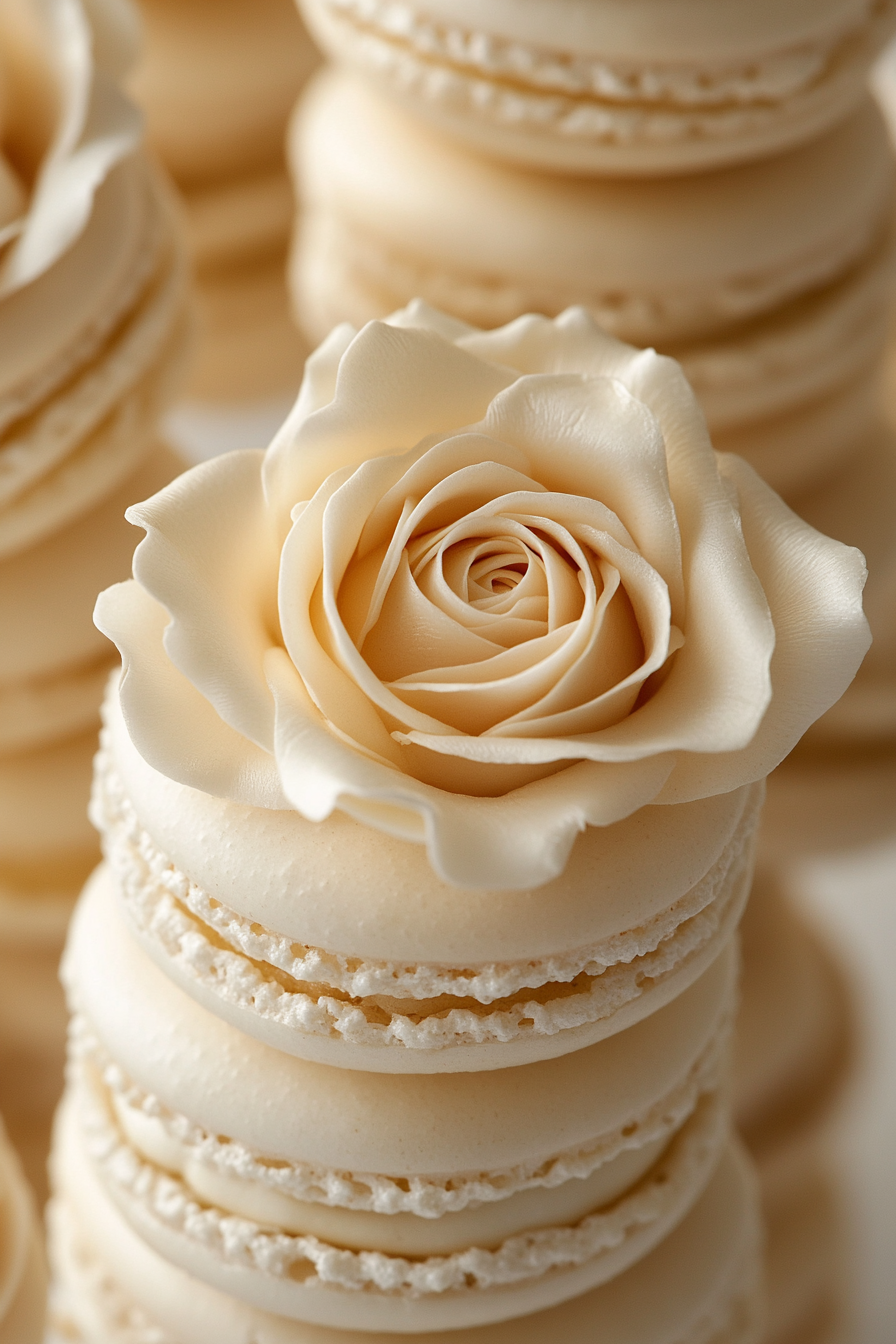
(649, 89)
(341, 1120)
(658, 262)
(346, 887)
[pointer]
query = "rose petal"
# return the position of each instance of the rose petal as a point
(814, 587)
(594, 439)
(518, 841)
(210, 557)
(393, 388)
(170, 722)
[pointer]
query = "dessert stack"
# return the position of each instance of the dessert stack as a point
(217, 80)
(429, 788)
(713, 180)
(92, 339)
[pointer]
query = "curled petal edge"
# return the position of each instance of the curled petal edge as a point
(517, 841)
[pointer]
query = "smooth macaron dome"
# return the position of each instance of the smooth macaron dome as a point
(613, 87)
(337, 943)
(339, 1180)
(768, 282)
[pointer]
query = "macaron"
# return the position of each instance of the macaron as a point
(217, 80)
(768, 281)
(337, 943)
(451, 1200)
(629, 87)
(89, 353)
(23, 1276)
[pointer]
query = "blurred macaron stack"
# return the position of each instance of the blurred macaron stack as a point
(217, 80)
(715, 181)
(93, 334)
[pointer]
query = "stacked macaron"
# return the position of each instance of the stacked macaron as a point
(23, 1278)
(217, 80)
(793, 1062)
(713, 180)
(92, 335)
(403, 1003)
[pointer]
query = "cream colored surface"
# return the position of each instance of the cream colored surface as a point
(47, 593)
(217, 82)
(807, 1264)
(241, 219)
(762, 279)
(794, 1036)
(342, 886)
(404, 1234)
(655, 261)
(249, 346)
(112, 1282)
(339, 1120)
(576, 88)
(23, 1282)
(856, 504)
(43, 804)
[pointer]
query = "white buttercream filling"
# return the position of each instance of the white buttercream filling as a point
(397, 1234)
(379, 1003)
(168, 1200)
(172, 1141)
(776, 77)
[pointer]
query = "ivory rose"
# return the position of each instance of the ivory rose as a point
(64, 125)
(483, 589)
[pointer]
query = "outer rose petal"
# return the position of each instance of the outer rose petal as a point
(519, 840)
(814, 589)
(211, 558)
(170, 722)
(393, 388)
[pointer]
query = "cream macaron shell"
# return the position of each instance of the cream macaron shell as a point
(375, 1145)
(630, 89)
(336, 942)
(700, 1286)
(217, 80)
(304, 1266)
(64, 447)
(23, 1279)
(768, 282)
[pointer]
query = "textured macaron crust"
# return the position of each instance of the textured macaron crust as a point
(700, 1284)
(337, 943)
(365, 1160)
(769, 282)
(621, 88)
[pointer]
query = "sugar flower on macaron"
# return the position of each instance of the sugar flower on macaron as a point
(67, 124)
(483, 590)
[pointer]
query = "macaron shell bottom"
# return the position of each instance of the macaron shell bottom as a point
(702, 1283)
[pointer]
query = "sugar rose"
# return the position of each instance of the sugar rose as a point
(483, 590)
(64, 125)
